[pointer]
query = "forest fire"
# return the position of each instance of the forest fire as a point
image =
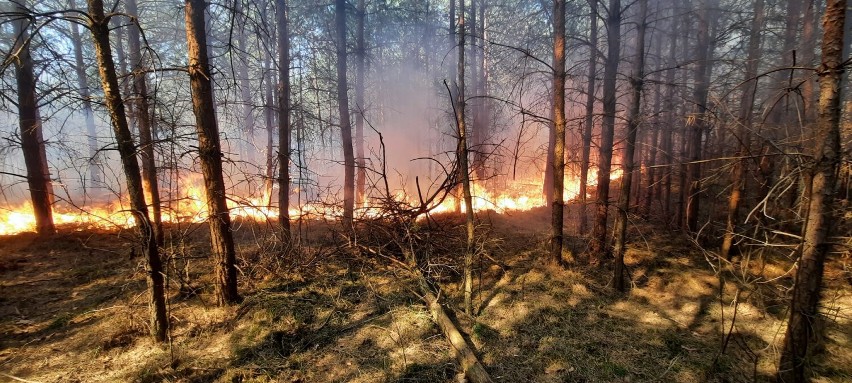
(190, 207)
(422, 190)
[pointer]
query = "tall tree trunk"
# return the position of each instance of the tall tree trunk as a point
(653, 141)
(808, 42)
(473, 102)
(599, 243)
(99, 26)
(361, 81)
(95, 177)
(143, 122)
(118, 42)
(743, 136)
(32, 139)
(684, 106)
(558, 105)
(343, 110)
(590, 115)
(210, 154)
(282, 19)
(453, 41)
(699, 125)
(627, 164)
(269, 116)
(464, 172)
(248, 120)
(667, 141)
(480, 117)
(782, 78)
(824, 166)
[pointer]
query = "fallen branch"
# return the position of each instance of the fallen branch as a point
(470, 364)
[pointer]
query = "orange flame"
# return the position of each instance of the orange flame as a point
(191, 207)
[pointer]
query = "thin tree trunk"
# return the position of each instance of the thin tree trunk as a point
(143, 122)
(464, 172)
(99, 26)
(248, 120)
(282, 19)
(210, 154)
(667, 141)
(699, 125)
(738, 176)
(118, 42)
(665, 185)
(361, 81)
(32, 139)
(269, 116)
(627, 165)
(95, 178)
(480, 117)
(653, 141)
(682, 134)
(345, 123)
(809, 106)
(599, 243)
(590, 115)
(453, 41)
(473, 103)
(558, 105)
(824, 167)
(548, 168)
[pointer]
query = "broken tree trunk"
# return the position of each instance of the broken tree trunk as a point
(470, 364)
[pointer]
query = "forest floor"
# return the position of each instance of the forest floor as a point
(73, 309)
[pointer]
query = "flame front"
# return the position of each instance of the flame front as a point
(191, 207)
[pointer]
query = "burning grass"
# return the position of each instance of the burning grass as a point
(73, 310)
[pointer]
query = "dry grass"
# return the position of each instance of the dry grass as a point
(73, 310)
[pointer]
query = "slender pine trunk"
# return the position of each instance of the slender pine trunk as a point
(627, 164)
(32, 139)
(99, 26)
(343, 110)
(824, 165)
(599, 248)
(590, 116)
(210, 154)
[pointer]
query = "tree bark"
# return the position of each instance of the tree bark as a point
(743, 135)
(360, 83)
(824, 165)
(343, 109)
(248, 120)
(143, 122)
(99, 26)
(699, 120)
(599, 243)
(269, 84)
(284, 129)
(627, 164)
(558, 105)
(654, 140)
(464, 172)
(210, 154)
(590, 115)
(32, 139)
(809, 106)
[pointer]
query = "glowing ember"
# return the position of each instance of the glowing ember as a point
(192, 208)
